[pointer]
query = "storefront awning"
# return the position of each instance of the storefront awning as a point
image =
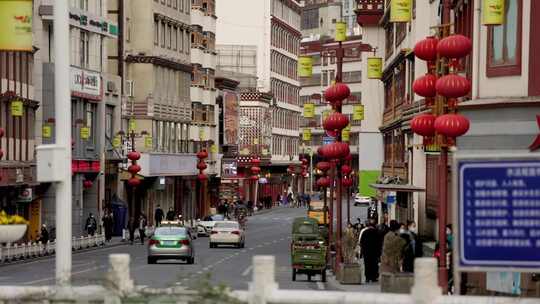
(397, 187)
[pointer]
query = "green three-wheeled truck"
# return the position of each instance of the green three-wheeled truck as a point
(308, 249)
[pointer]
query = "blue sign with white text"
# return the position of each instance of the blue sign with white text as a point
(499, 213)
(328, 140)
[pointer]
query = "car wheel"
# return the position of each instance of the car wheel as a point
(309, 277)
(191, 260)
(151, 260)
(323, 275)
(211, 245)
(294, 274)
(243, 245)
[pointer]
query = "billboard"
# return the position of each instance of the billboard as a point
(16, 25)
(231, 118)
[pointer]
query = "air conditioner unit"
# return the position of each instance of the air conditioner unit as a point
(130, 90)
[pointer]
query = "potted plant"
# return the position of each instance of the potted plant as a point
(12, 227)
(350, 270)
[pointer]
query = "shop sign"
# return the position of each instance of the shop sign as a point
(433, 148)
(374, 65)
(85, 133)
(17, 107)
(85, 82)
(341, 31)
(25, 196)
(93, 23)
(117, 142)
(493, 12)
(328, 140)
(400, 10)
(214, 148)
(358, 112)
(305, 66)
(132, 125)
(309, 110)
(148, 142)
(16, 25)
(46, 131)
(345, 135)
(306, 134)
(391, 197)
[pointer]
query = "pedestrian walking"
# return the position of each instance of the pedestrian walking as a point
(170, 214)
(132, 225)
(158, 215)
(44, 235)
(108, 223)
(407, 264)
(142, 228)
(91, 225)
(370, 251)
(392, 250)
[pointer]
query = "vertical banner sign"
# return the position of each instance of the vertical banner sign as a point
(201, 133)
(148, 142)
(132, 125)
(17, 107)
(46, 131)
(117, 142)
(493, 12)
(306, 134)
(346, 134)
(214, 148)
(85, 133)
(400, 10)
(374, 65)
(358, 112)
(341, 31)
(305, 66)
(16, 25)
(309, 110)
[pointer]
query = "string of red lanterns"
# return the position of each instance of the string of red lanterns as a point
(134, 168)
(201, 165)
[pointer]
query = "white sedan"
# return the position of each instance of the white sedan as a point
(227, 233)
(362, 200)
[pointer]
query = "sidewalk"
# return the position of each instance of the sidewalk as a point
(366, 287)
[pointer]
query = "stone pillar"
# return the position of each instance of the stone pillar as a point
(425, 289)
(263, 279)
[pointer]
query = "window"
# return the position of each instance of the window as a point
(504, 43)
(162, 34)
(90, 122)
(389, 40)
(399, 80)
(181, 5)
(387, 147)
(310, 18)
(388, 94)
(174, 38)
(83, 5)
(156, 32)
(109, 122)
(85, 49)
(169, 36)
(175, 4)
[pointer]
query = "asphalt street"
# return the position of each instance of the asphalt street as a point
(267, 234)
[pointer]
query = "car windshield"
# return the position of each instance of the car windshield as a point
(218, 217)
(226, 225)
(307, 229)
(164, 231)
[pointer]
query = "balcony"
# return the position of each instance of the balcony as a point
(207, 22)
(209, 97)
(209, 61)
(197, 55)
(369, 12)
(196, 94)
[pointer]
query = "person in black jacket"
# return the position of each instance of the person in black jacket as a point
(171, 215)
(91, 225)
(44, 235)
(158, 216)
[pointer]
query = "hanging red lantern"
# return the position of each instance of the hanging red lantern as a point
(347, 182)
(2, 132)
(426, 49)
(87, 184)
(337, 92)
(453, 86)
(332, 133)
(452, 125)
(202, 177)
(255, 161)
(423, 124)
(201, 165)
(134, 182)
(348, 157)
(324, 182)
(320, 151)
(304, 161)
(323, 166)
(337, 150)
(202, 154)
(336, 122)
(255, 170)
(134, 169)
(134, 155)
(454, 46)
(425, 86)
(346, 170)
(254, 178)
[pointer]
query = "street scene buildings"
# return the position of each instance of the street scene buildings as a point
(350, 150)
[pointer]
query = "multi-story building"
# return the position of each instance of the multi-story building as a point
(153, 58)
(273, 26)
(323, 14)
(95, 101)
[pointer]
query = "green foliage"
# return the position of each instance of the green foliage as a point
(209, 293)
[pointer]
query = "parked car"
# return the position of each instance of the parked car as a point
(171, 242)
(362, 200)
(205, 226)
(317, 211)
(227, 233)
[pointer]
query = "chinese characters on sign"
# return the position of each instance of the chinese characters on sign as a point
(16, 25)
(499, 213)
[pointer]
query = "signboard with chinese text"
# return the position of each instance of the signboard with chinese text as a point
(85, 133)
(46, 131)
(358, 112)
(341, 31)
(231, 118)
(117, 142)
(148, 142)
(374, 66)
(306, 134)
(493, 12)
(400, 10)
(16, 25)
(132, 125)
(498, 213)
(17, 108)
(86, 84)
(309, 110)
(328, 140)
(305, 66)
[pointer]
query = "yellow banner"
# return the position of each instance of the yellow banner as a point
(244, 151)
(400, 10)
(306, 134)
(117, 142)
(493, 12)
(16, 25)
(341, 31)
(374, 68)
(148, 142)
(132, 125)
(214, 148)
(345, 135)
(46, 131)
(309, 110)
(201, 133)
(17, 107)
(358, 112)
(305, 66)
(264, 151)
(85, 133)
(255, 141)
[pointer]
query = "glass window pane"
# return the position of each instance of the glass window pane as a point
(511, 27)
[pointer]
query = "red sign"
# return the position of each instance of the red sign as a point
(536, 143)
(85, 166)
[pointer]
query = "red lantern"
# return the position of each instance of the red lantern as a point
(134, 182)
(346, 170)
(134, 155)
(452, 125)
(347, 182)
(423, 124)
(87, 184)
(332, 133)
(255, 161)
(336, 122)
(201, 165)
(454, 46)
(453, 86)
(323, 166)
(201, 177)
(348, 157)
(337, 150)
(324, 182)
(202, 154)
(134, 169)
(255, 170)
(425, 86)
(426, 49)
(304, 161)
(320, 151)
(337, 92)
(2, 132)
(254, 178)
